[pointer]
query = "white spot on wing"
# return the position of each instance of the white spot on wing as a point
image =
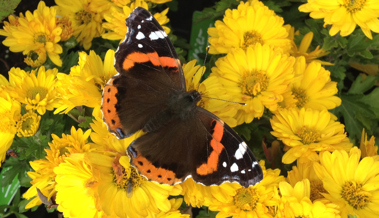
(140, 36)
(140, 46)
(157, 35)
(240, 151)
(254, 164)
(224, 164)
(139, 27)
(243, 171)
(149, 18)
(234, 168)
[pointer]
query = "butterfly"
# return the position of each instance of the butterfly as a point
(181, 139)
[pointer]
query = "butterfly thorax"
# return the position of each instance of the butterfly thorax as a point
(181, 106)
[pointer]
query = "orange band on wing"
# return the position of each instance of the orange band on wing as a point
(147, 169)
(153, 57)
(212, 162)
(108, 107)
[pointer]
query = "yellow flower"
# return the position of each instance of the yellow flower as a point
(84, 84)
(28, 124)
(85, 20)
(297, 202)
(43, 176)
(174, 212)
(313, 87)
(250, 23)
(368, 148)
(345, 15)
(116, 16)
(254, 201)
(35, 58)
(211, 90)
(257, 76)
(303, 49)
(350, 183)
(305, 170)
(198, 195)
(123, 192)
(37, 31)
(36, 90)
(75, 177)
(65, 24)
(10, 113)
(106, 140)
(307, 131)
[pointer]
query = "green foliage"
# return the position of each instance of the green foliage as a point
(205, 213)
(7, 7)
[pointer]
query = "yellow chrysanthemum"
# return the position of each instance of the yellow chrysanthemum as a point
(28, 124)
(305, 170)
(174, 212)
(123, 192)
(257, 76)
(5, 86)
(37, 31)
(35, 89)
(116, 16)
(84, 84)
(65, 24)
(254, 201)
(303, 49)
(345, 15)
(43, 176)
(198, 195)
(10, 113)
(312, 87)
(251, 23)
(86, 21)
(350, 183)
(75, 177)
(106, 140)
(307, 131)
(296, 202)
(368, 148)
(35, 58)
(213, 93)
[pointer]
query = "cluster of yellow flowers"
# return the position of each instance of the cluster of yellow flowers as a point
(87, 173)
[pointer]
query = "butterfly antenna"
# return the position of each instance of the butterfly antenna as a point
(240, 103)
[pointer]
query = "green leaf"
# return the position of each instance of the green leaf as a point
(7, 7)
(18, 167)
(372, 100)
(205, 213)
(360, 87)
(355, 114)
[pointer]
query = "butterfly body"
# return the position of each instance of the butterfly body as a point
(181, 139)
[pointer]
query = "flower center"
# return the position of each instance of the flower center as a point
(246, 199)
(354, 195)
(250, 38)
(83, 17)
(67, 30)
(41, 38)
(32, 93)
(125, 179)
(316, 189)
(354, 6)
(301, 96)
(307, 135)
(254, 83)
(33, 55)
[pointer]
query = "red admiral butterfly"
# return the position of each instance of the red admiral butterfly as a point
(182, 140)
